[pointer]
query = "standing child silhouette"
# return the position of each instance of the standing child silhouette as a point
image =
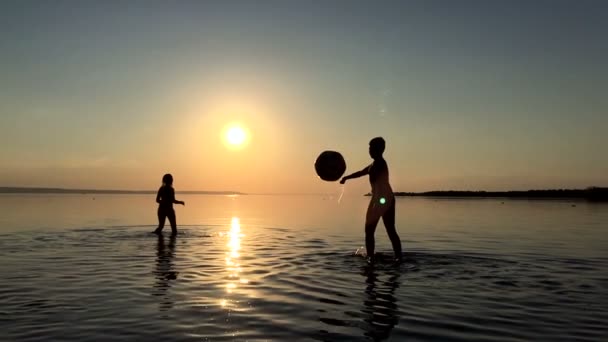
(165, 199)
(382, 203)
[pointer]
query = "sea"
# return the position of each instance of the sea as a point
(85, 267)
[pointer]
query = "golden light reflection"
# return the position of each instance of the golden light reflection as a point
(233, 266)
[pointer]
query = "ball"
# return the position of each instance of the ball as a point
(330, 166)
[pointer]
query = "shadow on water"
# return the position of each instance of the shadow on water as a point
(380, 310)
(164, 271)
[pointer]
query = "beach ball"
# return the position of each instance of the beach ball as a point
(330, 166)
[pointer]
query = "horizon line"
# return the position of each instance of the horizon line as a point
(25, 189)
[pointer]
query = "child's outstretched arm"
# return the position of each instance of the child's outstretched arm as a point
(357, 174)
(176, 201)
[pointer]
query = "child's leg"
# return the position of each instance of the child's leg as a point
(371, 222)
(370, 241)
(161, 220)
(389, 223)
(173, 221)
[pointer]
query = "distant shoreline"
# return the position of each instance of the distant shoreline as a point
(26, 190)
(592, 193)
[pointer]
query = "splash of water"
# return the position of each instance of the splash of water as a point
(361, 251)
(341, 193)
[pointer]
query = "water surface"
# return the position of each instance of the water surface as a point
(276, 268)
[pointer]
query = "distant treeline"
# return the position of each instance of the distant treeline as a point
(592, 193)
(17, 190)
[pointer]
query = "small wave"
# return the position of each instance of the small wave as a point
(208, 283)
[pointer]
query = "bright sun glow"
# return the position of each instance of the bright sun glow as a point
(235, 136)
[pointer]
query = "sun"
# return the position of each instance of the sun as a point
(235, 136)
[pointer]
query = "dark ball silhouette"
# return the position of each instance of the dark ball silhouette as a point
(330, 166)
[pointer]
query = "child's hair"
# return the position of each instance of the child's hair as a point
(379, 143)
(168, 179)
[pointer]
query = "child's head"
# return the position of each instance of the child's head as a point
(168, 179)
(376, 147)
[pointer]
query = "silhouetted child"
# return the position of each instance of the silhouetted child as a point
(165, 199)
(382, 203)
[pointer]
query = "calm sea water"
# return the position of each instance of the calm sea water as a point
(278, 268)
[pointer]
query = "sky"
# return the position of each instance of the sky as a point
(469, 95)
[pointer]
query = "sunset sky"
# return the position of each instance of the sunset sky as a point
(468, 94)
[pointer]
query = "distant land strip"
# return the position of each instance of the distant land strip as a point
(22, 190)
(591, 193)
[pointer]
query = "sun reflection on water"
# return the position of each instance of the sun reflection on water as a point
(233, 266)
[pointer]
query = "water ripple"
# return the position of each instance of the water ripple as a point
(227, 282)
